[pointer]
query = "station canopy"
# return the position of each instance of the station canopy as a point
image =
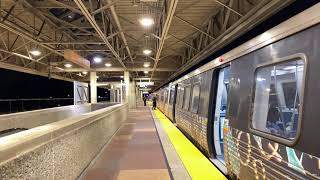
(152, 39)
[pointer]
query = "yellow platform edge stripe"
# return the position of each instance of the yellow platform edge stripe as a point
(198, 166)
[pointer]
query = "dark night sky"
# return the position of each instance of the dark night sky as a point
(15, 85)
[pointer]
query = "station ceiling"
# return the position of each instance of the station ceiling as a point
(180, 34)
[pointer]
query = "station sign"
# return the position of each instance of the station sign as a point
(143, 84)
(74, 57)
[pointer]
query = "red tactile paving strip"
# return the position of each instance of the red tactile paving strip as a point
(134, 152)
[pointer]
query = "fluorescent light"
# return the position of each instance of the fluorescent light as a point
(186, 76)
(68, 65)
(146, 21)
(108, 64)
(97, 59)
(70, 17)
(35, 52)
(85, 72)
(121, 76)
(260, 79)
(97, 77)
(146, 72)
(146, 65)
(197, 71)
(147, 51)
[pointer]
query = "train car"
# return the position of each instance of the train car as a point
(253, 111)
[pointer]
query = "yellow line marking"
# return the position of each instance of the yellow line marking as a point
(197, 165)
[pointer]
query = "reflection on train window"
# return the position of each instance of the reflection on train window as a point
(186, 97)
(195, 98)
(277, 98)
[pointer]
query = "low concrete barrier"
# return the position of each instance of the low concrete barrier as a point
(31, 119)
(60, 150)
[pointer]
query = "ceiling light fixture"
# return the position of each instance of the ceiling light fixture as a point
(121, 76)
(97, 59)
(35, 52)
(108, 64)
(146, 21)
(85, 72)
(97, 77)
(68, 65)
(146, 72)
(146, 65)
(147, 51)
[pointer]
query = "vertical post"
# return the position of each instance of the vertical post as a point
(121, 92)
(93, 87)
(127, 83)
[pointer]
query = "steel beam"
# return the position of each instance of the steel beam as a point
(165, 30)
(115, 69)
(94, 24)
(117, 22)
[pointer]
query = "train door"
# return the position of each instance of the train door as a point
(220, 112)
(174, 103)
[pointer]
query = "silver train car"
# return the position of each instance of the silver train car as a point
(254, 111)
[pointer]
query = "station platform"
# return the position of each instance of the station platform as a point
(149, 146)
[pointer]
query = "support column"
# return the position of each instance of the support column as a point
(127, 83)
(93, 87)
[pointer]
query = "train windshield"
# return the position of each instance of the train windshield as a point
(277, 98)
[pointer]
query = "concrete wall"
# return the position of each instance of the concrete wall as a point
(31, 119)
(60, 150)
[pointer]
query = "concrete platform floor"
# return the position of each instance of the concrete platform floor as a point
(134, 152)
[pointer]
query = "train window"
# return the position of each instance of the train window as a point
(186, 97)
(171, 95)
(195, 98)
(181, 91)
(278, 93)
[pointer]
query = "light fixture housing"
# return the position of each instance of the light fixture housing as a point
(68, 65)
(97, 59)
(108, 64)
(35, 52)
(147, 51)
(146, 21)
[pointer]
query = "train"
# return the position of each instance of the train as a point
(254, 110)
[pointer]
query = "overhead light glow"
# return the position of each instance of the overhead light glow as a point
(186, 76)
(146, 21)
(147, 52)
(85, 72)
(146, 65)
(197, 71)
(97, 59)
(146, 72)
(97, 77)
(70, 17)
(121, 76)
(68, 65)
(35, 52)
(108, 64)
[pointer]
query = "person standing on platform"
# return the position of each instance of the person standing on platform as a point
(144, 100)
(154, 102)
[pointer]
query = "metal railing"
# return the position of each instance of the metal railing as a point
(19, 105)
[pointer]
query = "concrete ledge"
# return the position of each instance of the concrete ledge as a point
(31, 119)
(60, 150)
